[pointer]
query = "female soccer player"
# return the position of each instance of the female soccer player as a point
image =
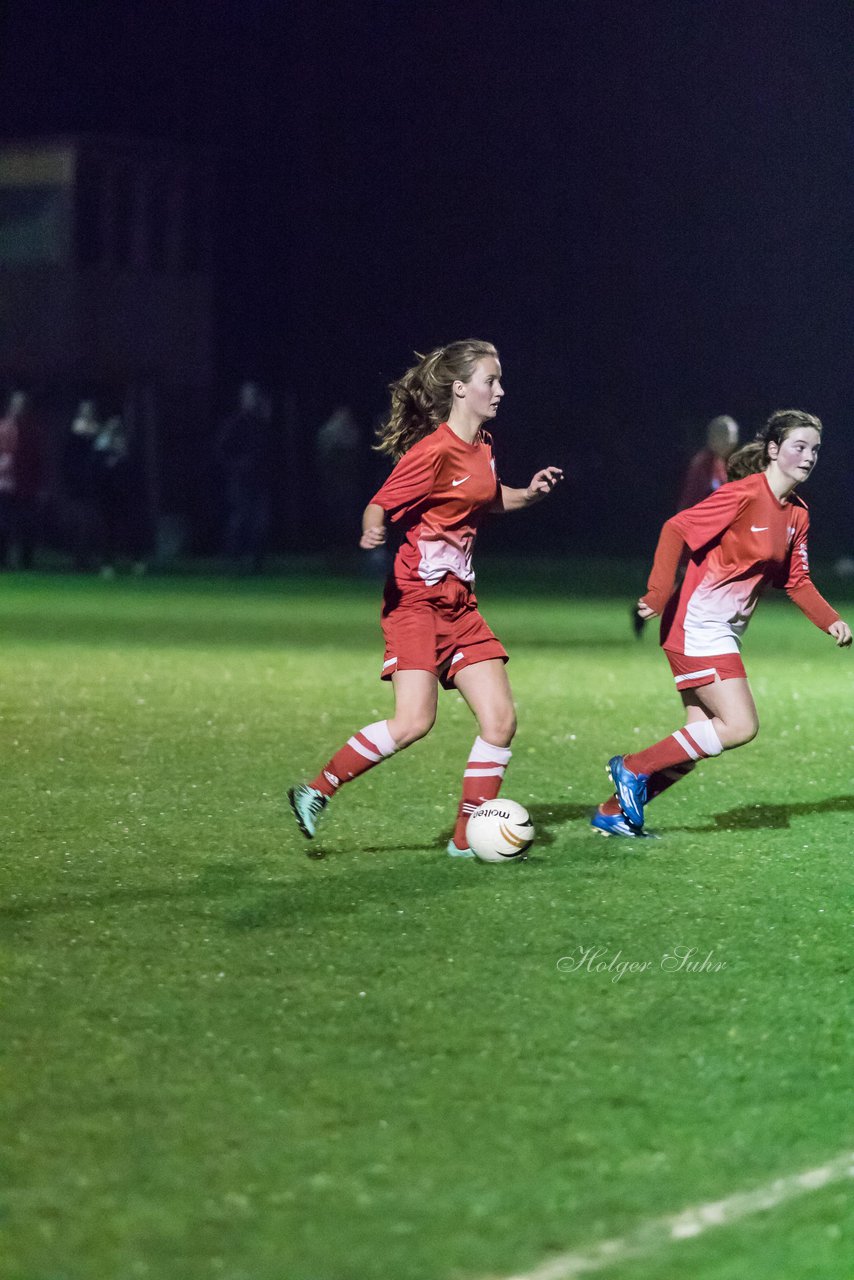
(747, 535)
(443, 484)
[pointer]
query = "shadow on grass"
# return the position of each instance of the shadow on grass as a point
(218, 881)
(245, 898)
(755, 817)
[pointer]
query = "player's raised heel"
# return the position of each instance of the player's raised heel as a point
(630, 788)
(308, 805)
(454, 852)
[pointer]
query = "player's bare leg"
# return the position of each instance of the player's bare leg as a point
(416, 697)
(486, 690)
(719, 716)
(415, 701)
(729, 706)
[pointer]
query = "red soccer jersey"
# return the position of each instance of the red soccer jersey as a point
(706, 472)
(439, 492)
(742, 540)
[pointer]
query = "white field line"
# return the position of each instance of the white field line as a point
(690, 1223)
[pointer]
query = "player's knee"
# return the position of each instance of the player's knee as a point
(741, 731)
(500, 728)
(417, 724)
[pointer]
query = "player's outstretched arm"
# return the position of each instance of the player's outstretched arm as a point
(373, 527)
(841, 633)
(663, 572)
(542, 484)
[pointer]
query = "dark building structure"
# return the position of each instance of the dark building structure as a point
(106, 290)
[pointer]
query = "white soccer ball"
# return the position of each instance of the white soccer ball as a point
(500, 831)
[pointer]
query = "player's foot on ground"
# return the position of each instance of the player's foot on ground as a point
(614, 824)
(630, 788)
(455, 852)
(308, 804)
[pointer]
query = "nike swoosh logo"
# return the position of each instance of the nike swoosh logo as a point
(759, 528)
(454, 483)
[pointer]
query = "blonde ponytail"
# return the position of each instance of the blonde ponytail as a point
(421, 399)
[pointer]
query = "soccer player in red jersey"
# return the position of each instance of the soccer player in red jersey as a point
(707, 469)
(749, 534)
(442, 485)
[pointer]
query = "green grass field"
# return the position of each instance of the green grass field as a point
(223, 1059)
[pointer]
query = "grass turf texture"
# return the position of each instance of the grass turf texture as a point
(221, 1059)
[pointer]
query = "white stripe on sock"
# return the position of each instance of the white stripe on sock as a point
(705, 735)
(379, 737)
(686, 745)
(363, 750)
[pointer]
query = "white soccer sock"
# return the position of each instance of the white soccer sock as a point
(379, 735)
(482, 755)
(706, 737)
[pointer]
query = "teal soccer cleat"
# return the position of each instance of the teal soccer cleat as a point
(308, 805)
(454, 852)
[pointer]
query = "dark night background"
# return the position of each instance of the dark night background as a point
(646, 206)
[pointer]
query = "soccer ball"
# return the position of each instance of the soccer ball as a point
(500, 831)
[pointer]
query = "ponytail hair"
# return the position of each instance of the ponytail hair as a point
(421, 399)
(754, 457)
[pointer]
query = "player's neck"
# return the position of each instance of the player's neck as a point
(464, 426)
(781, 486)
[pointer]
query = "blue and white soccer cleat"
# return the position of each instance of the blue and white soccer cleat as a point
(630, 788)
(614, 824)
(454, 852)
(308, 804)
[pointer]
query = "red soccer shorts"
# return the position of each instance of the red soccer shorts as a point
(437, 629)
(691, 673)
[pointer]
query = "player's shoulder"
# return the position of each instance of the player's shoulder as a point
(427, 449)
(438, 442)
(748, 485)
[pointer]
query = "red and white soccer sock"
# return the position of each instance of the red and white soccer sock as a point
(697, 741)
(369, 747)
(670, 760)
(484, 774)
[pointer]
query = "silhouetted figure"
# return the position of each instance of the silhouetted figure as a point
(21, 474)
(244, 451)
(80, 485)
(707, 469)
(120, 531)
(338, 450)
(706, 472)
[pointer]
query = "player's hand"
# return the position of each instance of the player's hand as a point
(373, 536)
(644, 610)
(543, 482)
(841, 633)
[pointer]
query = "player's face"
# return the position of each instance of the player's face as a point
(797, 454)
(483, 391)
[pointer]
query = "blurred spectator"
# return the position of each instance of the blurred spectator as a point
(80, 484)
(121, 534)
(707, 469)
(244, 450)
(21, 474)
(706, 472)
(338, 450)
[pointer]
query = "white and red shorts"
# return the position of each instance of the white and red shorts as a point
(436, 629)
(692, 673)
